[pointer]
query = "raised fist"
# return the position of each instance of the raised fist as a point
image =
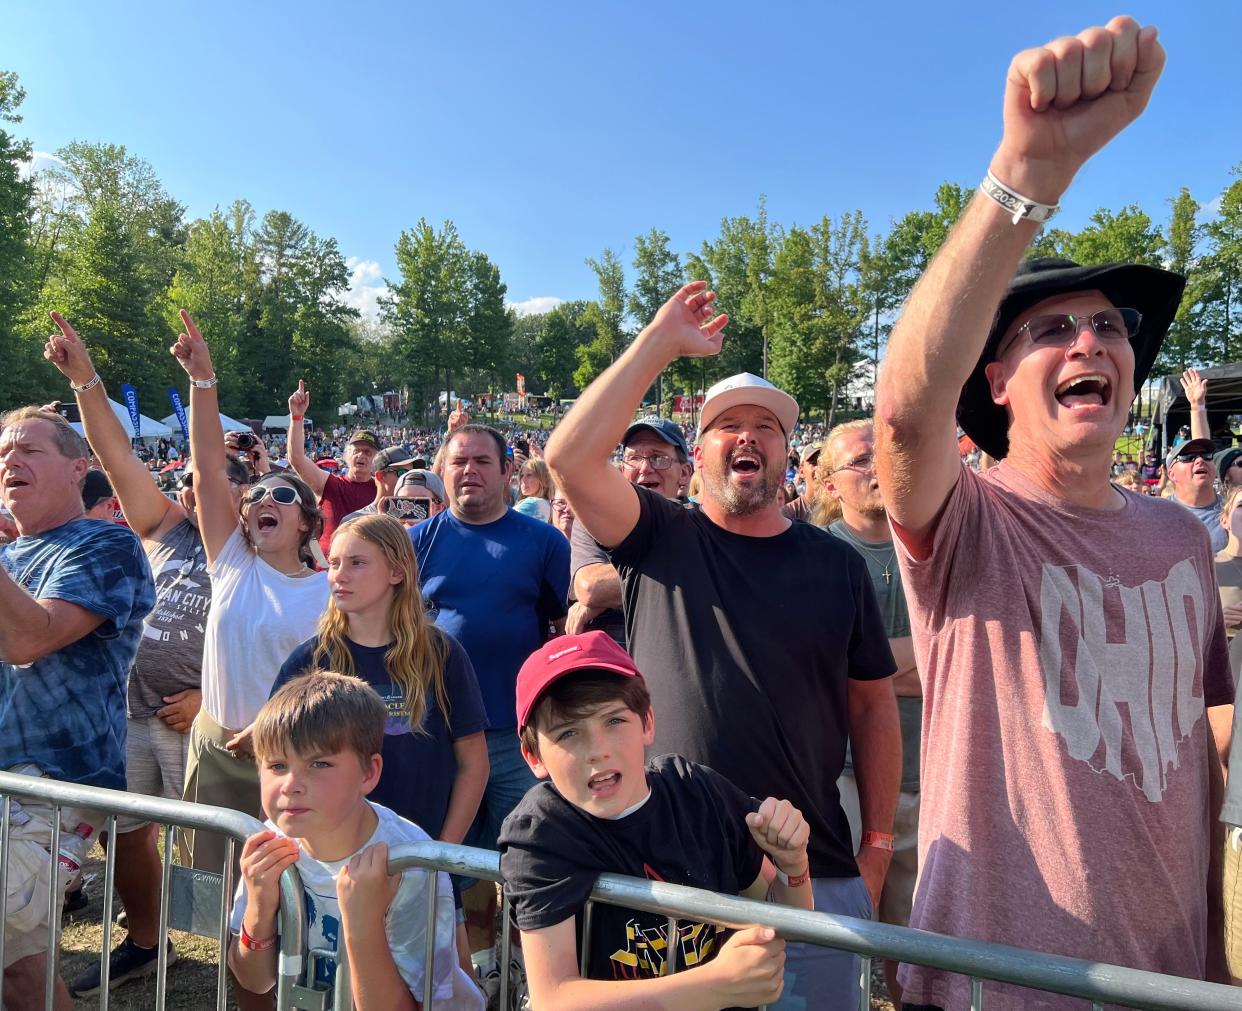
(1067, 99)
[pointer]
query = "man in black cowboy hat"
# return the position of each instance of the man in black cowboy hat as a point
(1068, 633)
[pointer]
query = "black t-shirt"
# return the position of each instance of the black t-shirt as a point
(584, 551)
(417, 780)
(747, 644)
(691, 831)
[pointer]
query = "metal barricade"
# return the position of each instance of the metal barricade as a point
(1097, 982)
(233, 825)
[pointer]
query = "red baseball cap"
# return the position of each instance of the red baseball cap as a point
(564, 655)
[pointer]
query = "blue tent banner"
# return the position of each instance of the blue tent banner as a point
(131, 401)
(175, 399)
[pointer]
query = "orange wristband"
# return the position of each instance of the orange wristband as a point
(880, 840)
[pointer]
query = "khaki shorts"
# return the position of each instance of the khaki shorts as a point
(213, 776)
(1233, 899)
(30, 861)
(155, 757)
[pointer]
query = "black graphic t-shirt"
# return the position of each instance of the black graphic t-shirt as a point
(170, 653)
(691, 831)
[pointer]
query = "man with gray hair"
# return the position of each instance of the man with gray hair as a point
(73, 593)
(759, 637)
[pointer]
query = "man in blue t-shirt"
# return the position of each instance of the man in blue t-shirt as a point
(73, 593)
(497, 581)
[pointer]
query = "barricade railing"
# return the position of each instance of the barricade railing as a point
(980, 961)
(233, 825)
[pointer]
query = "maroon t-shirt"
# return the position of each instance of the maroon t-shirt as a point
(341, 496)
(1067, 657)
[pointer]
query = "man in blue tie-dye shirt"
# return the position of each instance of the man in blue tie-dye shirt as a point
(73, 593)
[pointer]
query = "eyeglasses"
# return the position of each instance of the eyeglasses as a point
(560, 505)
(864, 464)
(1061, 328)
(657, 461)
(281, 493)
(1187, 457)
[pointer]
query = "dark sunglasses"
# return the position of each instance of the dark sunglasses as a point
(281, 493)
(1061, 328)
(1204, 455)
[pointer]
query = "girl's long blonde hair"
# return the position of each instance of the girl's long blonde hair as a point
(415, 659)
(541, 472)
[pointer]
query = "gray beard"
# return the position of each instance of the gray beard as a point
(742, 501)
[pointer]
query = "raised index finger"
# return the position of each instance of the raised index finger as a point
(63, 323)
(190, 328)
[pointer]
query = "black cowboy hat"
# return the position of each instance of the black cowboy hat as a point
(1153, 292)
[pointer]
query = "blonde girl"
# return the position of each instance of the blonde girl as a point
(535, 490)
(376, 628)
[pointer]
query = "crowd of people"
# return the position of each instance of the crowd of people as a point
(961, 666)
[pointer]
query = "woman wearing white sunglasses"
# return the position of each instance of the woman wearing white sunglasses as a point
(266, 598)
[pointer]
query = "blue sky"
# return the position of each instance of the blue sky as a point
(549, 130)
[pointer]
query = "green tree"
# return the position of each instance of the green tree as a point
(738, 265)
(1185, 344)
(1125, 237)
(606, 316)
(918, 236)
(561, 333)
(657, 277)
(116, 305)
(818, 307)
(219, 283)
(16, 254)
(1222, 276)
(425, 309)
(488, 325)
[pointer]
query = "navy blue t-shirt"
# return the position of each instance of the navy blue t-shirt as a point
(65, 713)
(494, 587)
(417, 780)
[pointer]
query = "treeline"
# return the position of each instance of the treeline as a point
(98, 236)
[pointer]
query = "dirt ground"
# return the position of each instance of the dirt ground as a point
(192, 979)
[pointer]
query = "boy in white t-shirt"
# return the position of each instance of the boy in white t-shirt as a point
(317, 742)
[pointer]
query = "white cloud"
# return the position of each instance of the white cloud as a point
(538, 304)
(366, 287)
(1210, 209)
(39, 161)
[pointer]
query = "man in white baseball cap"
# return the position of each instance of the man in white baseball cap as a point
(761, 638)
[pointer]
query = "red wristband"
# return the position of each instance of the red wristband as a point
(880, 840)
(250, 943)
(794, 880)
(296, 417)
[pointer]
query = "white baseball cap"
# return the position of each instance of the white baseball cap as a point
(746, 388)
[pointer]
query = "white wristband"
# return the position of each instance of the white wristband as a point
(204, 384)
(88, 385)
(1018, 205)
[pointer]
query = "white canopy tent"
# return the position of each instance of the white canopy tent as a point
(230, 424)
(280, 423)
(151, 429)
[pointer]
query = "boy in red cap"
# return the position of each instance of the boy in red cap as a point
(584, 718)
